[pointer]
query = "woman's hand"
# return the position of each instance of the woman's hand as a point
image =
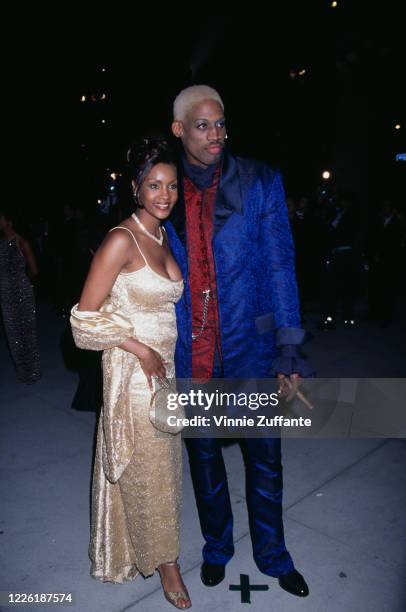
(151, 362)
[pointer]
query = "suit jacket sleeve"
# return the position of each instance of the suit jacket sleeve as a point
(277, 257)
(277, 254)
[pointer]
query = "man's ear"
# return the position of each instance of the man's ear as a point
(177, 129)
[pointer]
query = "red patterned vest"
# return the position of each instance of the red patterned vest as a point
(202, 274)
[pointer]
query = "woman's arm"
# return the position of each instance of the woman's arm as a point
(106, 265)
(108, 262)
(26, 250)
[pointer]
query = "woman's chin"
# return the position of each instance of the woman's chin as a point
(162, 213)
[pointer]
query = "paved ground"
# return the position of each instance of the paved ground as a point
(344, 503)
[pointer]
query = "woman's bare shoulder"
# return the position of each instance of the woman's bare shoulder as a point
(129, 224)
(116, 243)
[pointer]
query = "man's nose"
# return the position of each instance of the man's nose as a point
(214, 132)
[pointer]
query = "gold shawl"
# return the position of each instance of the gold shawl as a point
(105, 330)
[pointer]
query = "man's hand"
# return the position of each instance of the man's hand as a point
(288, 386)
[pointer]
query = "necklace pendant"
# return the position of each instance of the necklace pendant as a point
(147, 233)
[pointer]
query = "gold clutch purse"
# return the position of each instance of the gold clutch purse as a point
(165, 412)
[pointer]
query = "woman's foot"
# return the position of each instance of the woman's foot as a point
(173, 586)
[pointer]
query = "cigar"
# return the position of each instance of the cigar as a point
(299, 394)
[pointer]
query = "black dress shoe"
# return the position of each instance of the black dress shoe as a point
(294, 583)
(212, 574)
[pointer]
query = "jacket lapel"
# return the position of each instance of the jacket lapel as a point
(228, 198)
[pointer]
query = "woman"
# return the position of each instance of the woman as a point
(127, 309)
(17, 269)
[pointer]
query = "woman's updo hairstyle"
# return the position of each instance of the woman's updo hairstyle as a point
(143, 155)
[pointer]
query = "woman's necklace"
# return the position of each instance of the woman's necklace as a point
(144, 229)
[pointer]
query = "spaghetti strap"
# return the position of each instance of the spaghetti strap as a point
(134, 238)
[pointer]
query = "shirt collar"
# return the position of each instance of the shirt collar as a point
(201, 177)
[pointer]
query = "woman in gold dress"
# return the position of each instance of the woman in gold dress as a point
(127, 309)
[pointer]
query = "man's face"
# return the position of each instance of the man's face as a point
(202, 133)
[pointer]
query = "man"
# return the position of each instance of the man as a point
(385, 251)
(340, 268)
(230, 235)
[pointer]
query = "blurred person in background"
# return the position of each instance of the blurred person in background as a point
(18, 268)
(386, 259)
(341, 260)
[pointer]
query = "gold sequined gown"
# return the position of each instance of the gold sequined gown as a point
(136, 490)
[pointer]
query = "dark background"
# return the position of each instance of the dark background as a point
(340, 115)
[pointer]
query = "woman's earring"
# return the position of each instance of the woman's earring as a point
(225, 137)
(136, 200)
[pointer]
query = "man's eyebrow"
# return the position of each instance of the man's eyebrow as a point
(205, 118)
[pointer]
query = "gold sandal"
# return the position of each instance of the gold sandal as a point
(174, 596)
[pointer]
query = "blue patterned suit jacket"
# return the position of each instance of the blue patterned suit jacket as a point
(254, 259)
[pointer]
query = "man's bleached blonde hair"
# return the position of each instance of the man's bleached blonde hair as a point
(192, 95)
